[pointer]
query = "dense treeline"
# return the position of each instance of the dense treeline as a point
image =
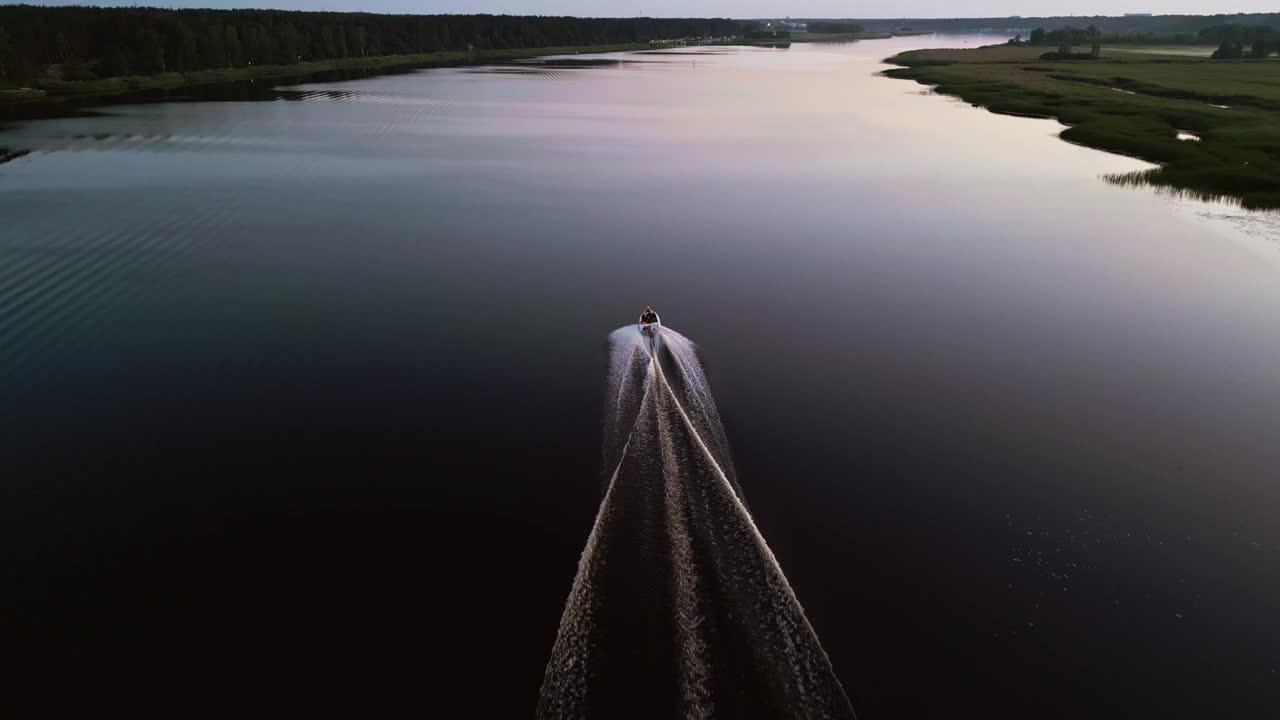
(1234, 41)
(1244, 34)
(86, 42)
(1066, 38)
(826, 26)
(1240, 41)
(767, 34)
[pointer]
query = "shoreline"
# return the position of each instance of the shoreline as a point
(51, 92)
(1160, 100)
(47, 95)
(803, 37)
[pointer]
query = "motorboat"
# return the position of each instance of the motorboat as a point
(650, 323)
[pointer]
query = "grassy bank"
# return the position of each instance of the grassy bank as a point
(52, 90)
(14, 94)
(1134, 103)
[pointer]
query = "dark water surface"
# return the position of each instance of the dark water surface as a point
(302, 399)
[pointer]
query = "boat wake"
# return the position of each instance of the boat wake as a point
(679, 608)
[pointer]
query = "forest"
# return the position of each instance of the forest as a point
(1234, 41)
(826, 26)
(1241, 41)
(84, 43)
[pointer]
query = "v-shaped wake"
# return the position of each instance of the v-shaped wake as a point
(679, 608)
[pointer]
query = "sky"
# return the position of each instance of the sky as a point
(736, 8)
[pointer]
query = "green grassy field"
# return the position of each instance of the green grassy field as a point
(54, 89)
(1135, 103)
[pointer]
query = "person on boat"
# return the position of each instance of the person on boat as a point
(648, 316)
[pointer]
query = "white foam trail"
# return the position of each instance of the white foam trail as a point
(694, 670)
(629, 368)
(564, 680)
(679, 607)
(696, 396)
(778, 580)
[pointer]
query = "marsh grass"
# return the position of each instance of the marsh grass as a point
(1161, 181)
(1238, 157)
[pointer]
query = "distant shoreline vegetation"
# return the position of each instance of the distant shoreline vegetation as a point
(50, 51)
(1126, 25)
(781, 33)
(54, 90)
(835, 28)
(1211, 126)
(1233, 41)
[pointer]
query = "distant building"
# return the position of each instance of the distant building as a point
(1137, 14)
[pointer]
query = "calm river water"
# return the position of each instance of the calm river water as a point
(302, 395)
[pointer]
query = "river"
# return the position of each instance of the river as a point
(302, 392)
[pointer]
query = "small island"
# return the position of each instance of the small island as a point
(1211, 124)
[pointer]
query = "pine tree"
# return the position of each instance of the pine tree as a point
(6, 50)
